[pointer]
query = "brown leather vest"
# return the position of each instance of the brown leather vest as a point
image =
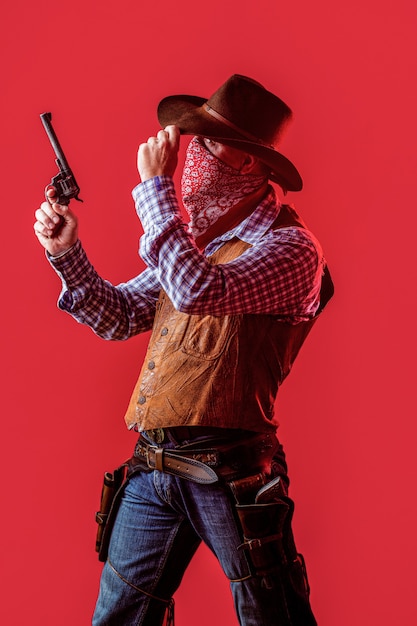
(217, 371)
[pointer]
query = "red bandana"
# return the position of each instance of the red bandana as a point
(210, 188)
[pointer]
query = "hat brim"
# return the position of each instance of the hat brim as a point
(188, 113)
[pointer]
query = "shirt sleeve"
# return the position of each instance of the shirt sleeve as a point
(280, 274)
(112, 312)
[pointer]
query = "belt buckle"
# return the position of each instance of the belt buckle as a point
(154, 458)
(150, 456)
(157, 435)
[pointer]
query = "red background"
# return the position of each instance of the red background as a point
(348, 411)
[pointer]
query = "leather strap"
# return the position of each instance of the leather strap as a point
(230, 460)
(171, 463)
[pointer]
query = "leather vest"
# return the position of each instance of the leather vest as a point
(201, 370)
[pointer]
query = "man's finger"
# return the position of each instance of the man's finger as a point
(173, 133)
(162, 134)
(61, 209)
(46, 211)
(42, 231)
(51, 195)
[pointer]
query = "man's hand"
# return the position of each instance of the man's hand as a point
(56, 226)
(159, 155)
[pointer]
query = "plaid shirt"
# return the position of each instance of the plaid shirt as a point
(280, 274)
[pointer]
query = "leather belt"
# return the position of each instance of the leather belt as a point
(174, 463)
(204, 466)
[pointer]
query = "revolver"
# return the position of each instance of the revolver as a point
(64, 182)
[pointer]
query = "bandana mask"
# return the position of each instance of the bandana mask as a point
(210, 187)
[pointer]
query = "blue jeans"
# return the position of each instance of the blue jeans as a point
(160, 523)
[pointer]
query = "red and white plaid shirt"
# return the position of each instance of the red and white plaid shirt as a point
(280, 274)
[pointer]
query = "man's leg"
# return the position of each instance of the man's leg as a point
(281, 600)
(150, 548)
(211, 510)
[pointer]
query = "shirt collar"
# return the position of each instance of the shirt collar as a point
(253, 227)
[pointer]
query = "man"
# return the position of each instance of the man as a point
(230, 298)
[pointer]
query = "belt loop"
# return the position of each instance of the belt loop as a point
(159, 459)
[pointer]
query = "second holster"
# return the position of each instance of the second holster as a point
(265, 515)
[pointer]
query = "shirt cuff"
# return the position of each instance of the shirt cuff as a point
(73, 267)
(155, 201)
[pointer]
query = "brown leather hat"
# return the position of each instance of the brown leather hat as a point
(241, 114)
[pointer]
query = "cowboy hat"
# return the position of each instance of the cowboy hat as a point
(241, 114)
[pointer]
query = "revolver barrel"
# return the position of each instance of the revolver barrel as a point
(61, 160)
(64, 182)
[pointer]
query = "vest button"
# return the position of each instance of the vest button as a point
(151, 365)
(164, 331)
(141, 400)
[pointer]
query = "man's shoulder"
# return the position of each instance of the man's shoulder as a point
(288, 216)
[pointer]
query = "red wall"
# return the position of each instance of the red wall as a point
(348, 411)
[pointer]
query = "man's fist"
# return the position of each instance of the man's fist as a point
(56, 226)
(159, 155)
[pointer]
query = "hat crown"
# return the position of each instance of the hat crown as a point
(247, 105)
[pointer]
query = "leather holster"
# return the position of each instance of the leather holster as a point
(265, 516)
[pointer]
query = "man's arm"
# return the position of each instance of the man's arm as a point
(112, 312)
(279, 275)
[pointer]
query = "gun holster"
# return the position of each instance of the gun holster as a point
(111, 493)
(265, 516)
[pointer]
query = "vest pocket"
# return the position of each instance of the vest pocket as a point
(207, 337)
